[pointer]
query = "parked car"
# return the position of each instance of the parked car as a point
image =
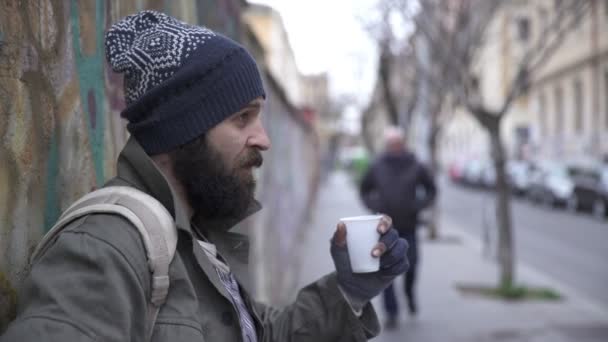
(473, 172)
(488, 174)
(600, 204)
(519, 173)
(456, 170)
(550, 184)
(590, 191)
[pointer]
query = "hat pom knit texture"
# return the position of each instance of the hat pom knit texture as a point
(149, 47)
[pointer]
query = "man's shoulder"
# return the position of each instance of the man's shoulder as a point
(108, 227)
(113, 230)
(404, 159)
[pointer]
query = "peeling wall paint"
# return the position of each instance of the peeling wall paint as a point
(89, 58)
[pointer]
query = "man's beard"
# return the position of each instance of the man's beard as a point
(213, 190)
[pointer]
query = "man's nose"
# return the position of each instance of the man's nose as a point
(259, 139)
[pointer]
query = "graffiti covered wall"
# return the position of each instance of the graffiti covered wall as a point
(60, 126)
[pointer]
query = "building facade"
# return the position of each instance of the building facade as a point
(268, 27)
(564, 113)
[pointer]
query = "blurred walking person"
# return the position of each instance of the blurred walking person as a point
(398, 185)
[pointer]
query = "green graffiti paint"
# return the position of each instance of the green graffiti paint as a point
(91, 78)
(8, 299)
(51, 211)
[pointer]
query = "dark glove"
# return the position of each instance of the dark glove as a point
(362, 287)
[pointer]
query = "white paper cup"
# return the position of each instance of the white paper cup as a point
(361, 237)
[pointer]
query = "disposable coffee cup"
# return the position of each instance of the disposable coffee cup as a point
(361, 237)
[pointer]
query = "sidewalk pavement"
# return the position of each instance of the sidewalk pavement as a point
(446, 314)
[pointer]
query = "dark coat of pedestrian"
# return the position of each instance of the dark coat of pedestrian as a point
(398, 185)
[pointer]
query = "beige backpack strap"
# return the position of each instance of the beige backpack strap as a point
(152, 220)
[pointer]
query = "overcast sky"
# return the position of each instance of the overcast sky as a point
(328, 36)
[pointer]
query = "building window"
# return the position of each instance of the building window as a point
(523, 29)
(578, 106)
(542, 115)
(559, 111)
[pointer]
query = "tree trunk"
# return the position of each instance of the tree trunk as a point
(385, 71)
(506, 255)
(434, 166)
(366, 134)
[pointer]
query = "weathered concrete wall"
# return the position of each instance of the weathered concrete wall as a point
(60, 128)
(287, 182)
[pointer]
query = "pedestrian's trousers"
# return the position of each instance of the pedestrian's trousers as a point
(390, 299)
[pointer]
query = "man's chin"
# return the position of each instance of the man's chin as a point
(246, 175)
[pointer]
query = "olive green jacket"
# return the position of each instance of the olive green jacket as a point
(93, 284)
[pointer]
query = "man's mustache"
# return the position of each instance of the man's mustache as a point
(253, 159)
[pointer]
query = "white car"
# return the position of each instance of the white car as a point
(519, 173)
(551, 184)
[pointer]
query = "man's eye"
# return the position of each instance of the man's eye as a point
(243, 118)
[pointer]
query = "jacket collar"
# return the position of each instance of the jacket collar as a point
(137, 168)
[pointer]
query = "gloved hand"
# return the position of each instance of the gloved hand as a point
(362, 287)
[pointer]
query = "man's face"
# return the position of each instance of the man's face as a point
(394, 141)
(395, 146)
(217, 170)
(240, 137)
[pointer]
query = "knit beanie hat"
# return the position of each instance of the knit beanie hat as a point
(180, 80)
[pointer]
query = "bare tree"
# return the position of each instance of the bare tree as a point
(394, 71)
(434, 71)
(458, 50)
(385, 70)
(431, 84)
